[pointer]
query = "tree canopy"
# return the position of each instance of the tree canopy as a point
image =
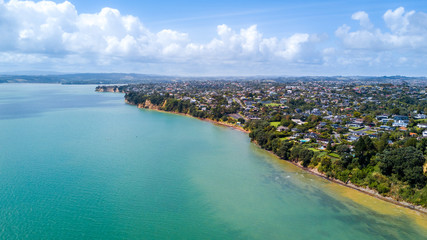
(405, 163)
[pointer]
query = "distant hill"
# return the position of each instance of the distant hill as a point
(128, 78)
(83, 78)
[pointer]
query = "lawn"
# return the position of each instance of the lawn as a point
(420, 121)
(334, 155)
(274, 124)
(273, 104)
(314, 149)
(321, 154)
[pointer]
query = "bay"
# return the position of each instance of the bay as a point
(76, 164)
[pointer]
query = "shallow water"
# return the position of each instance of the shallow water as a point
(76, 164)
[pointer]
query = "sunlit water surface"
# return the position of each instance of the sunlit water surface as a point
(76, 164)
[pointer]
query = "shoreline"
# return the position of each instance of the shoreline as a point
(314, 172)
(223, 124)
(366, 191)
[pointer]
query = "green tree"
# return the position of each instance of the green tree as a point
(306, 156)
(284, 151)
(364, 149)
(329, 147)
(342, 149)
(357, 114)
(411, 142)
(345, 153)
(395, 111)
(382, 143)
(422, 145)
(406, 163)
(300, 153)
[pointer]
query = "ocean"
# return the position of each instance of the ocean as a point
(77, 164)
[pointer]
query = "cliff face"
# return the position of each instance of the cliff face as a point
(149, 105)
(113, 89)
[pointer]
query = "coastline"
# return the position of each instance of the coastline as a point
(366, 191)
(188, 115)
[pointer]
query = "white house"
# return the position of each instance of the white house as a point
(420, 116)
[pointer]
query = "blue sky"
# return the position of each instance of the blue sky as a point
(278, 17)
(215, 37)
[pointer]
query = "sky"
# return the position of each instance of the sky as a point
(215, 38)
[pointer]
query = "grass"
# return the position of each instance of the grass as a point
(314, 149)
(274, 124)
(370, 132)
(321, 154)
(420, 121)
(355, 128)
(334, 155)
(273, 104)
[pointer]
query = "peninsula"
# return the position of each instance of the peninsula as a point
(362, 133)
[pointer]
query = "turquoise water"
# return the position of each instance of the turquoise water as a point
(75, 164)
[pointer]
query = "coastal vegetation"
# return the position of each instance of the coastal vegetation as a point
(395, 171)
(367, 136)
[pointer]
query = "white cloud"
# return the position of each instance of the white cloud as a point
(49, 29)
(399, 48)
(363, 18)
(407, 30)
(56, 35)
(397, 20)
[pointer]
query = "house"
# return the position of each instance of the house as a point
(296, 135)
(403, 129)
(249, 103)
(422, 125)
(354, 125)
(382, 117)
(359, 133)
(400, 118)
(358, 121)
(311, 135)
(282, 128)
(323, 141)
(420, 116)
(353, 138)
(202, 107)
(387, 128)
(400, 123)
(322, 124)
(316, 112)
(425, 133)
(385, 120)
(298, 121)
